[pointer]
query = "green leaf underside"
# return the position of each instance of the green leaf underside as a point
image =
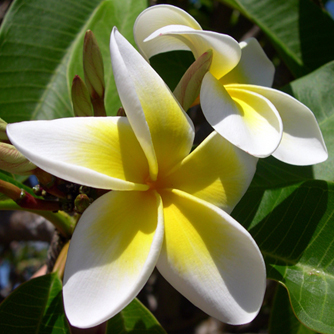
(135, 318)
(293, 227)
(35, 307)
(283, 320)
(36, 43)
(299, 29)
(121, 14)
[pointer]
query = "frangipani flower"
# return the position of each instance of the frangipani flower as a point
(168, 208)
(237, 101)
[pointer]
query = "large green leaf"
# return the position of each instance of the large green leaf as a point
(300, 30)
(121, 14)
(294, 228)
(135, 318)
(35, 307)
(36, 42)
(282, 319)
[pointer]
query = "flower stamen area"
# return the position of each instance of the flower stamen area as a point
(154, 185)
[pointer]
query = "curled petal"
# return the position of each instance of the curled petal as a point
(97, 152)
(254, 67)
(222, 172)
(245, 118)
(163, 129)
(302, 142)
(226, 50)
(156, 17)
(211, 259)
(113, 251)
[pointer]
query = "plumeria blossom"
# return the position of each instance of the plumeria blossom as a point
(168, 207)
(235, 96)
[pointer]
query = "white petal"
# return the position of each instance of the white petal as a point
(254, 67)
(244, 118)
(92, 151)
(226, 50)
(211, 259)
(113, 251)
(302, 142)
(156, 17)
(163, 129)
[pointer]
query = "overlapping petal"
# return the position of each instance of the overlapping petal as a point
(211, 259)
(113, 251)
(221, 183)
(166, 28)
(157, 17)
(302, 142)
(163, 129)
(254, 67)
(97, 152)
(245, 118)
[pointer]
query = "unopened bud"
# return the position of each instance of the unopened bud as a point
(93, 66)
(189, 86)
(12, 161)
(3, 133)
(81, 203)
(121, 112)
(80, 98)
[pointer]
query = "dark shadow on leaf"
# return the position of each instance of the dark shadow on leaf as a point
(54, 315)
(290, 218)
(316, 48)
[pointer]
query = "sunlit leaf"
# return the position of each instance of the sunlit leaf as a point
(35, 307)
(36, 42)
(282, 319)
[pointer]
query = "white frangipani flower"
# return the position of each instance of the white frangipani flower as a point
(236, 98)
(168, 207)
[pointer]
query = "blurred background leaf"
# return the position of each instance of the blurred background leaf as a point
(301, 31)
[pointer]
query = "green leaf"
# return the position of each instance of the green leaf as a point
(316, 91)
(135, 318)
(121, 14)
(294, 228)
(35, 307)
(299, 29)
(282, 319)
(36, 42)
